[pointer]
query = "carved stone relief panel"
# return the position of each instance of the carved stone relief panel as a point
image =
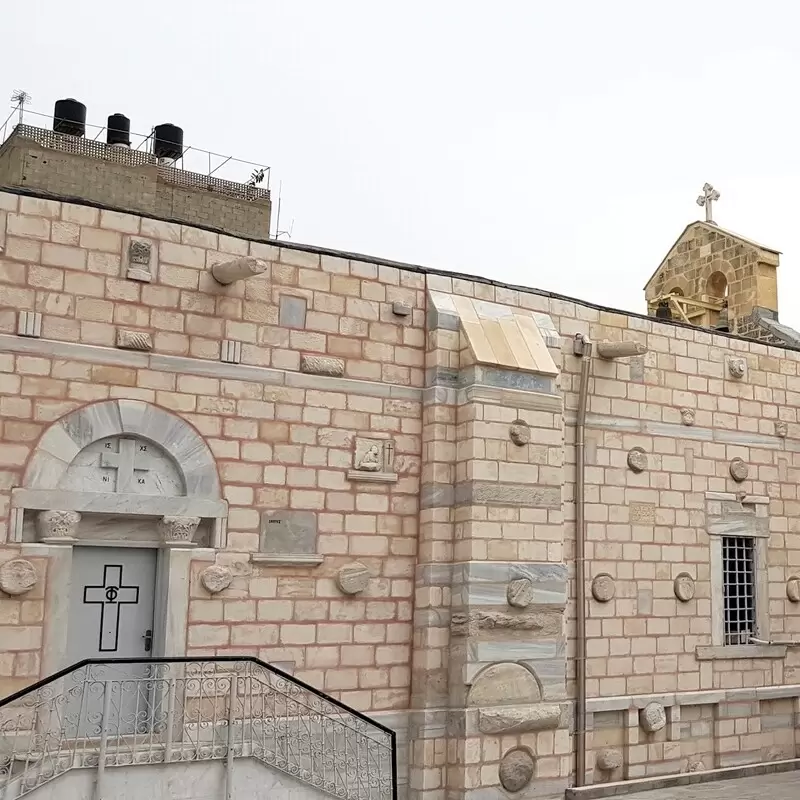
(373, 460)
(124, 465)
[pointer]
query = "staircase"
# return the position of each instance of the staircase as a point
(116, 717)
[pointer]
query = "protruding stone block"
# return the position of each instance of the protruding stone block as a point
(134, 340)
(519, 719)
(238, 269)
(322, 365)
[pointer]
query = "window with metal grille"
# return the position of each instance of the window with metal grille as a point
(739, 589)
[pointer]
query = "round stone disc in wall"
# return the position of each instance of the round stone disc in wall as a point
(17, 576)
(519, 592)
(216, 578)
(520, 432)
(603, 588)
(353, 578)
(516, 770)
(738, 470)
(653, 717)
(637, 460)
(793, 589)
(683, 586)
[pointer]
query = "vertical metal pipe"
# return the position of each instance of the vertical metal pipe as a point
(99, 786)
(580, 565)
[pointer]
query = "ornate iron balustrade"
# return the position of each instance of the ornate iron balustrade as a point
(103, 714)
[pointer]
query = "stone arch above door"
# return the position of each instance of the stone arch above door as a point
(123, 457)
(79, 429)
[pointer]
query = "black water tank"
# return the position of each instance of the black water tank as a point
(168, 141)
(119, 130)
(69, 117)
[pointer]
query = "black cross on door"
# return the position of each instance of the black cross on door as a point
(109, 597)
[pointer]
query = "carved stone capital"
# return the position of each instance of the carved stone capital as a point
(238, 269)
(178, 530)
(57, 526)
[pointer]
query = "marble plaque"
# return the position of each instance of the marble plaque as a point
(288, 532)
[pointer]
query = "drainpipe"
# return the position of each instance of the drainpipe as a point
(582, 347)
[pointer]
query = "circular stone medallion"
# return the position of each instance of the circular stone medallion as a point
(520, 592)
(738, 470)
(603, 588)
(17, 576)
(687, 416)
(353, 578)
(516, 770)
(781, 428)
(520, 432)
(652, 717)
(216, 578)
(637, 460)
(683, 586)
(793, 589)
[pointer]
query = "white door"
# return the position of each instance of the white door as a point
(111, 617)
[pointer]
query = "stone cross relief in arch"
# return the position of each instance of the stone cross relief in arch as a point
(121, 457)
(124, 464)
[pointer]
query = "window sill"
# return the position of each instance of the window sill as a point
(715, 652)
(288, 560)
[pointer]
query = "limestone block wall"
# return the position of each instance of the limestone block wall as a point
(401, 457)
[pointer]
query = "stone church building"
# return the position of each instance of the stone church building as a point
(547, 543)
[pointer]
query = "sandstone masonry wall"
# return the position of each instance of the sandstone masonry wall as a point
(284, 440)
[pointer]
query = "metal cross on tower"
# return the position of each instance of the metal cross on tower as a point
(710, 194)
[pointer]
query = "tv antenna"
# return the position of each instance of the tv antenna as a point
(21, 99)
(278, 231)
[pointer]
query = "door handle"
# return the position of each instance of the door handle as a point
(148, 640)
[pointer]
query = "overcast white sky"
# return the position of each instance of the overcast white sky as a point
(559, 145)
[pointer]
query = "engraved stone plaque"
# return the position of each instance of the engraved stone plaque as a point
(288, 532)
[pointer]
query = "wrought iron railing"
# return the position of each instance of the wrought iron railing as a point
(105, 714)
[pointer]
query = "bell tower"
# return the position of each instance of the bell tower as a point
(715, 278)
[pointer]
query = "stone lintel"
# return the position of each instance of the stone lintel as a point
(106, 503)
